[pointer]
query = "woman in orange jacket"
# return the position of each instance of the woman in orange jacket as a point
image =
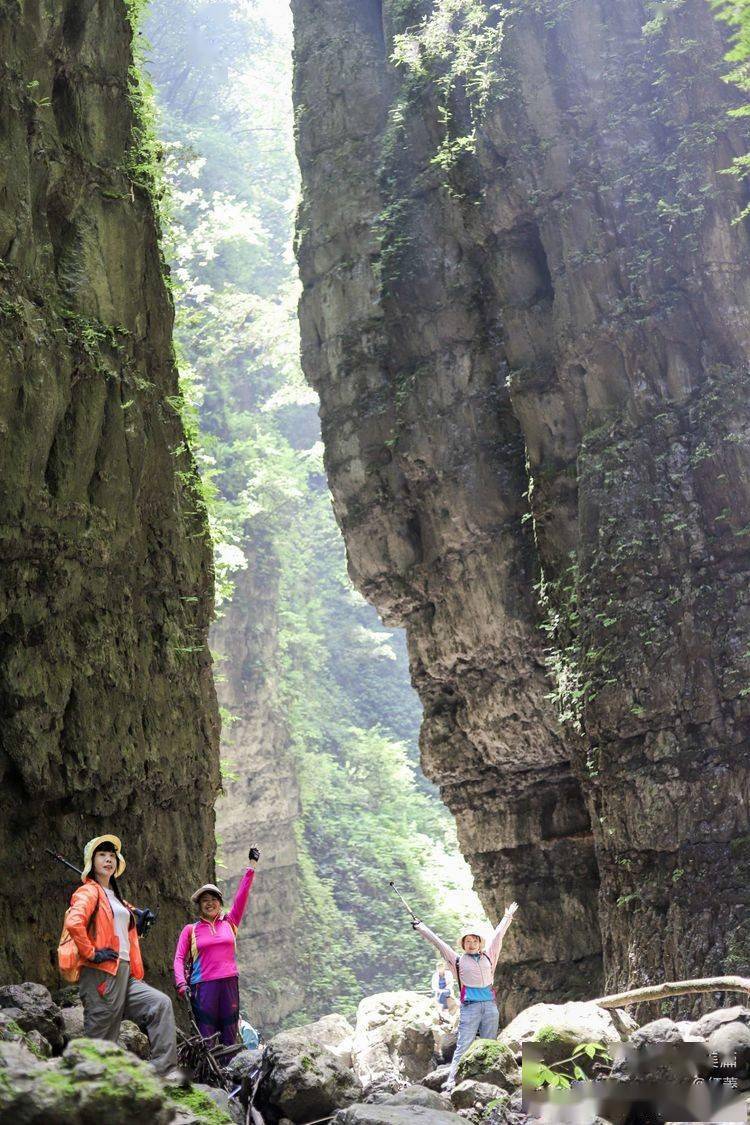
(111, 983)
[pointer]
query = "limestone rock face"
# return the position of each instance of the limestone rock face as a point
(260, 804)
(109, 714)
(529, 331)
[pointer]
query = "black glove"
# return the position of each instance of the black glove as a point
(144, 920)
(253, 855)
(415, 922)
(105, 954)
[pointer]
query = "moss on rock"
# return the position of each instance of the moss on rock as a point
(200, 1104)
(489, 1061)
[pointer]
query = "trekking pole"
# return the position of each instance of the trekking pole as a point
(406, 904)
(63, 860)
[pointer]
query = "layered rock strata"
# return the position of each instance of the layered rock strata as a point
(525, 312)
(109, 717)
(260, 805)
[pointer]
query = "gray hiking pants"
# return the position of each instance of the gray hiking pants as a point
(108, 1000)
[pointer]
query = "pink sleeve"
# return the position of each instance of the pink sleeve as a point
(180, 954)
(442, 947)
(240, 899)
(496, 942)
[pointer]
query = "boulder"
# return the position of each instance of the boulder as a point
(67, 997)
(576, 1021)
(415, 1095)
(488, 1060)
(93, 1081)
(511, 1113)
(394, 1115)
(199, 1105)
(243, 1065)
(303, 1079)
(334, 1032)
(132, 1039)
(72, 1018)
(731, 1043)
(660, 1052)
(436, 1078)
(12, 1032)
(36, 1010)
(708, 1023)
(396, 1038)
(470, 1095)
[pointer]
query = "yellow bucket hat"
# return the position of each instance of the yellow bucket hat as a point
(88, 855)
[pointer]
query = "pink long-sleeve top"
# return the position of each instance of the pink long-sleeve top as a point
(212, 943)
(476, 974)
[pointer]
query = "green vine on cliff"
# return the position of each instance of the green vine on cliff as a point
(559, 604)
(736, 13)
(457, 46)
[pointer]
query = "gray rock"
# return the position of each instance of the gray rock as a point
(396, 1037)
(133, 1039)
(435, 1079)
(488, 1060)
(658, 1031)
(573, 1022)
(707, 1024)
(303, 1080)
(37, 1044)
(731, 1042)
(35, 1011)
(659, 1052)
(244, 1063)
(72, 1018)
(93, 1081)
(219, 1097)
(394, 1115)
(67, 997)
(416, 1095)
(469, 1093)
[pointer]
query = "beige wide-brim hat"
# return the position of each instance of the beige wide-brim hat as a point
(207, 887)
(88, 855)
(477, 931)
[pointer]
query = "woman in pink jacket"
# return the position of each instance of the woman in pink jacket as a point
(205, 966)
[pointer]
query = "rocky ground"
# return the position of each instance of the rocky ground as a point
(386, 1069)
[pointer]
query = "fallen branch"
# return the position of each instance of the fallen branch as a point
(674, 988)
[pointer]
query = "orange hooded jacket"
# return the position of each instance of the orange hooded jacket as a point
(82, 906)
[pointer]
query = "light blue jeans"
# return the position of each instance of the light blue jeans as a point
(480, 1018)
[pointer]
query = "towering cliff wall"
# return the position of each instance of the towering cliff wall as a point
(525, 312)
(261, 805)
(108, 710)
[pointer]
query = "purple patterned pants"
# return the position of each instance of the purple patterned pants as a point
(216, 1007)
